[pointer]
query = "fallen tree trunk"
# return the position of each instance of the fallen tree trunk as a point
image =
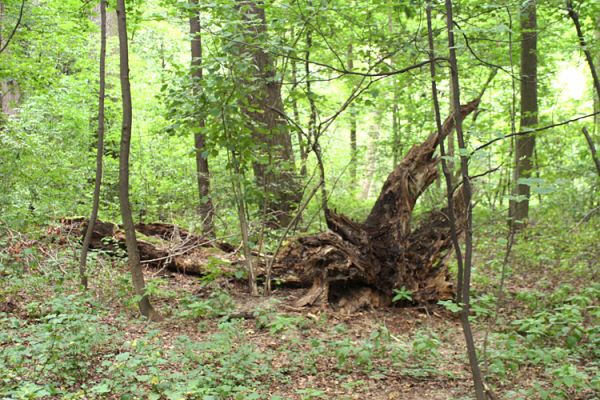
(163, 246)
(358, 264)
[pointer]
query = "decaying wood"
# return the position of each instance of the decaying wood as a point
(357, 264)
(167, 246)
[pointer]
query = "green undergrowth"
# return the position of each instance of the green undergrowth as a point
(545, 333)
(57, 342)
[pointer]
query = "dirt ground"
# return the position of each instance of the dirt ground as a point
(451, 382)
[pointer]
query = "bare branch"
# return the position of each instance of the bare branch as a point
(529, 131)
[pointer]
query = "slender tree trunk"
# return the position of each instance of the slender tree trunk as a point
(205, 210)
(396, 149)
(597, 95)
(525, 144)
(244, 228)
(464, 164)
(296, 112)
(100, 150)
(1, 83)
(278, 180)
(588, 55)
(314, 134)
(590, 60)
(371, 158)
(133, 254)
(353, 145)
(312, 118)
(507, 187)
(451, 146)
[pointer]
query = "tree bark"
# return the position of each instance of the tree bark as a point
(133, 254)
(100, 149)
(205, 210)
(278, 177)
(525, 144)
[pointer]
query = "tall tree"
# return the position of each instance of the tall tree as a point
(525, 144)
(100, 149)
(133, 253)
(205, 210)
(278, 176)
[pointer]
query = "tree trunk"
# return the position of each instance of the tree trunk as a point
(133, 254)
(597, 95)
(396, 144)
(166, 246)
(525, 144)
(205, 210)
(100, 149)
(357, 264)
(278, 177)
(296, 113)
(371, 158)
(464, 286)
(353, 145)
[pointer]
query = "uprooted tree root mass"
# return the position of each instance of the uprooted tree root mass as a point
(352, 265)
(360, 264)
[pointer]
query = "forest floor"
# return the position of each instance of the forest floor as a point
(343, 355)
(216, 341)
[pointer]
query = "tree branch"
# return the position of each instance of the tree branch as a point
(527, 132)
(575, 17)
(15, 28)
(592, 148)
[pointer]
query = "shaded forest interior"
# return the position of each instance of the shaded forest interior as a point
(310, 199)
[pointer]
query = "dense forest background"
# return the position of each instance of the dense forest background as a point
(253, 124)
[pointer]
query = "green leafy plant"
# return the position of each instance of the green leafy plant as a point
(218, 304)
(402, 295)
(450, 306)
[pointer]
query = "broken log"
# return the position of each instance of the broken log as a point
(357, 264)
(162, 246)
